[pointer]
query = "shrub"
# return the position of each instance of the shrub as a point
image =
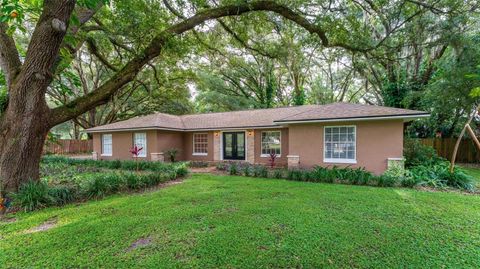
(62, 194)
(439, 176)
(260, 171)
(247, 170)
(385, 180)
(33, 195)
(198, 164)
(358, 176)
(114, 181)
(323, 174)
(233, 168)
(132, 181)
(418, 154)
(172, 154)
(96, 187)
(150, 180)
(131, 165)
(278, 173)
(295, 174)
(221, 166)
(181, 169)
(115, 164)
(460, 180)
(408, 181)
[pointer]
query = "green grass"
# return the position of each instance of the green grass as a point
(237, 222)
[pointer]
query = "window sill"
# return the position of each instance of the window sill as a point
(199, 154)
(106, 155)
(268, 156)
(349, 161)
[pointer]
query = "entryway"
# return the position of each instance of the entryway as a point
(234, 145)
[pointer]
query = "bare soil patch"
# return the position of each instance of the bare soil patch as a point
(47, 225)
(142, 242)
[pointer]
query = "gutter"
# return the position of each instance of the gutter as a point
(183, 130)
(405, 117)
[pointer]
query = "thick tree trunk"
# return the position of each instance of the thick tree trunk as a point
(27, 119)
(21, 144)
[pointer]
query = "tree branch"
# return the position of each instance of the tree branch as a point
(9, 59)
(83, 15)
(133, 67)
(36, 72)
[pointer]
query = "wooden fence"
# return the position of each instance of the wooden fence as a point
(69, 146)
(467, 152)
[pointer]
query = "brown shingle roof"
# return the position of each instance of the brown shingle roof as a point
(337, 111)
(260, 117)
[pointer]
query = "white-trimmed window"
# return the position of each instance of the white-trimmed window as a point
(271, 143)
(200, 144)
(107, 144)
(340, 144)
(140, 140)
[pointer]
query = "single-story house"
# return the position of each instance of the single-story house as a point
(341, 134)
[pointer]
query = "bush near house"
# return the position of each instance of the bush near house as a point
(429, 175)
(65, 180)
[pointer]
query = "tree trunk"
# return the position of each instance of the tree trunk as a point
(21, 143)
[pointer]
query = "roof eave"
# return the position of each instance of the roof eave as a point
(366, 118)
(182, 130)
(132, 129)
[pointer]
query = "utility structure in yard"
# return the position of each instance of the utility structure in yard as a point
(467, 128)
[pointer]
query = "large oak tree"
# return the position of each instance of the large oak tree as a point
(27, 118)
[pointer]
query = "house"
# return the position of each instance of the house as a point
(339, 134)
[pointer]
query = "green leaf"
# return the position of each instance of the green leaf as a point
(475, 92)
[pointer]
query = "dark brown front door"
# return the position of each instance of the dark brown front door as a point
(234, 146)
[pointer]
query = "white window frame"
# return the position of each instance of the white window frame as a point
(102, 138)
(336, 160)
(193, 145)
(261, 143)
(143, 152)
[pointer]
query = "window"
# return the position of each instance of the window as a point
(200, 144)
(107, 145)
(340, 144)
(271, 143)
(140, 140)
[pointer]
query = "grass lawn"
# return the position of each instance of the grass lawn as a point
(232, 222)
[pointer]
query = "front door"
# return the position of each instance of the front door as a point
(234, 146)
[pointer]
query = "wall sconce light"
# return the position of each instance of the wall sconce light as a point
(216, 134)
(250, 132)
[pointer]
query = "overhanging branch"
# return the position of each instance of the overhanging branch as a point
(133, 67)
(9, 59)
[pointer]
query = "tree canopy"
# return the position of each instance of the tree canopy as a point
(401, 53)
(91, 62)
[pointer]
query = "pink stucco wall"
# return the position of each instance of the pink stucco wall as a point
(376, 142)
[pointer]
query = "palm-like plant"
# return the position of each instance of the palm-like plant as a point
(135, 153)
